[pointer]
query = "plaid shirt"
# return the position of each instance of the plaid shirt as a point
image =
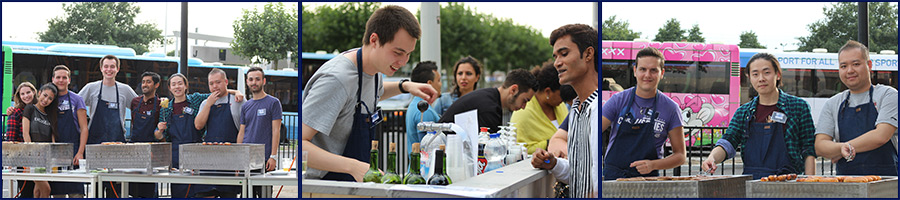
(193, 100)
(14, 126)
(800, 132)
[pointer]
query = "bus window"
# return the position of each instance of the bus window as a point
(618, 72)
(695, 77)
(199, 76)
(283, 88)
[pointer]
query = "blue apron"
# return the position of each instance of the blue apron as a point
(220, 127)
(855, 121)
(363, 131)
(766, 151)
(633, 142)
(142, 128)
(68, 133)
(181, 131)
(106, 125)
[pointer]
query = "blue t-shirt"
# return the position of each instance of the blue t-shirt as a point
(413, 117)
(669, 115)
(72, 101)
(257, 117)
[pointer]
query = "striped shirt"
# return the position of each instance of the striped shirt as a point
(580, 171)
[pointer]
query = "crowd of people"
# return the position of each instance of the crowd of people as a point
(96, 114)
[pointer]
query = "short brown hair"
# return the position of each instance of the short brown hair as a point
(583, 36)
(851, 44)
(769, 57)
(387, 21)
(217, 71)
(110, 57)
(62, 67)
(651, 51)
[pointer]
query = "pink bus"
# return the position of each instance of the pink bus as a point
(703, 79)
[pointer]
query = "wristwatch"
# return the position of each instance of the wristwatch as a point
(273, 157)
(400, 85)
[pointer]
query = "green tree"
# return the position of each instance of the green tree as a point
(671, 31)
(614, 29)
(499, 43)
(336, 28)
(748, 40)
(104, 23)
(268, 35)
(840, 25)
(694, 35)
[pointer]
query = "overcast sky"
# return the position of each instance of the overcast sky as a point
(22, 20)
(774, 23)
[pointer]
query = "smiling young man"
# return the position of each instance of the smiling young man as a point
(857, 127)
(107, 100)
(339, 103)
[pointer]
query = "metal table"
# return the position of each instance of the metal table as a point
(271, 180)
(90, 178)
(166, 177)
(519, 180)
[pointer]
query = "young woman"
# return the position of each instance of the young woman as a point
(39, 125)
(543, 113)
(24, 96)
(774, 129)
(466, 74)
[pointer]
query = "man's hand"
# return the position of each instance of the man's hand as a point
(425, 91)
(643, 166)
(239, 97)
(213, 97)
(707, 164)
(543, 159)
(161, 126)
(270, 164)
(77, 157)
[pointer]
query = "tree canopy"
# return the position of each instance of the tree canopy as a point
(840, 24)
(748, 40)
(499, 43)
(614, 29)
(268, 35)
(102, 23)
(671, 31)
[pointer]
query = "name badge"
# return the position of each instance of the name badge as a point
(261, 112)
(779, 117)
(375, 118)
(112, 105)
(188, 110)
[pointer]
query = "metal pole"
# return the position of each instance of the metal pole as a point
(431, 33)
(184, 40)
(863, 22)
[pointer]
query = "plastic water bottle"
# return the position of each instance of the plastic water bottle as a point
(427, 160)
(494, 152)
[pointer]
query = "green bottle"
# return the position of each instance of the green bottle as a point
(391, 176)
(440, 176)
(413, 177)
(374, 174)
